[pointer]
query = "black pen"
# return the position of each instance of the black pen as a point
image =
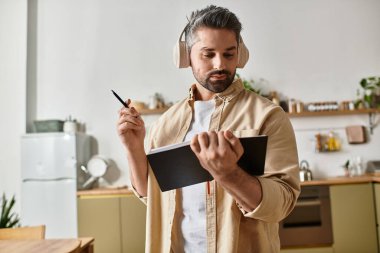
(121, 100)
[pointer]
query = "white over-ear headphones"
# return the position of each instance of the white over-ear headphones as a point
(181, 54)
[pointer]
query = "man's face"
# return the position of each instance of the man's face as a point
(214, 58)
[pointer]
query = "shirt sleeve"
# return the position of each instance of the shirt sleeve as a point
(280, 183)
(150, 145)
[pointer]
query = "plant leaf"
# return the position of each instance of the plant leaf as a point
(9, 208)
(14, 220)
(3, 206)
(363, 83)
(8, 218)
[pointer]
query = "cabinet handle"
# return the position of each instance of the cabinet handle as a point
(301, 203)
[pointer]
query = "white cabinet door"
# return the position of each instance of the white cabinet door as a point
(48, 156)
(50, 203)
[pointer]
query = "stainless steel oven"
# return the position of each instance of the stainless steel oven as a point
(309, 224)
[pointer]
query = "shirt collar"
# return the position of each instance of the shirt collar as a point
(235, 88)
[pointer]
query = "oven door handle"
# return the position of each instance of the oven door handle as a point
(314, 202)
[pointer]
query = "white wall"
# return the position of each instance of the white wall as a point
(12, 93)
(330, 164)
(311, 50)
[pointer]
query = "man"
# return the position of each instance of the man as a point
(235, 212)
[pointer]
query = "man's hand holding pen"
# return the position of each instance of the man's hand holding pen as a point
(131, 128)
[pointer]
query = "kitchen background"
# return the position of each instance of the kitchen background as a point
(60, 58)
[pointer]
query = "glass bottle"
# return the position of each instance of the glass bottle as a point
(331, 143)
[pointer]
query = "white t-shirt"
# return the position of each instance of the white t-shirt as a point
(193, 224)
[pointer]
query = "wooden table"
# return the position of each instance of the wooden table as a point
(86, 245)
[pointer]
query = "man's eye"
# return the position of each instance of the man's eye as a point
(208, 55)
(228, 55)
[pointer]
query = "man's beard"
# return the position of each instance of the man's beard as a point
(218, 85)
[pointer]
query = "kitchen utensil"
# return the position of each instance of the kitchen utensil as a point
(305, 172)
(96, 167)
(373, 166)
(356, 134)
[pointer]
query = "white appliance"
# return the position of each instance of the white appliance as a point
(49, 166)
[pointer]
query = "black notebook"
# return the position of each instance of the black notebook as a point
(176, 166)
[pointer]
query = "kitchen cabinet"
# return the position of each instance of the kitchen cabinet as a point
(133, 213)
(353, 218)
(117, 222)
(100, 218)
(377, 204)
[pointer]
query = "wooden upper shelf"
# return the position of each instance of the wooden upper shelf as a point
(333, 113)
(292, 115)
(153, 111)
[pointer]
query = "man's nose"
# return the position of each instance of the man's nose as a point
(219, 62)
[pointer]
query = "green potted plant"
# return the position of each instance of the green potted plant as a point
(8, 218)
(371, 94)
(248, 84)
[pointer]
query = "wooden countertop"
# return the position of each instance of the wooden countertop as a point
(105, 192)
(366, 178)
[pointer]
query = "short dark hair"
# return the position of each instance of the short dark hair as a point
(213, 17)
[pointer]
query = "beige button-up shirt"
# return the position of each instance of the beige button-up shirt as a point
(229, 228)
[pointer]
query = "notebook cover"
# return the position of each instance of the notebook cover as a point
(179, 167)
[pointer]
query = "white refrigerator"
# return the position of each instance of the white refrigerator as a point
(49, 166)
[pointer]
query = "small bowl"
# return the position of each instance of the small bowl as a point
(45, 126)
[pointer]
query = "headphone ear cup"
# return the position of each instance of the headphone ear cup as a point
(243, 55)
(181, 55)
